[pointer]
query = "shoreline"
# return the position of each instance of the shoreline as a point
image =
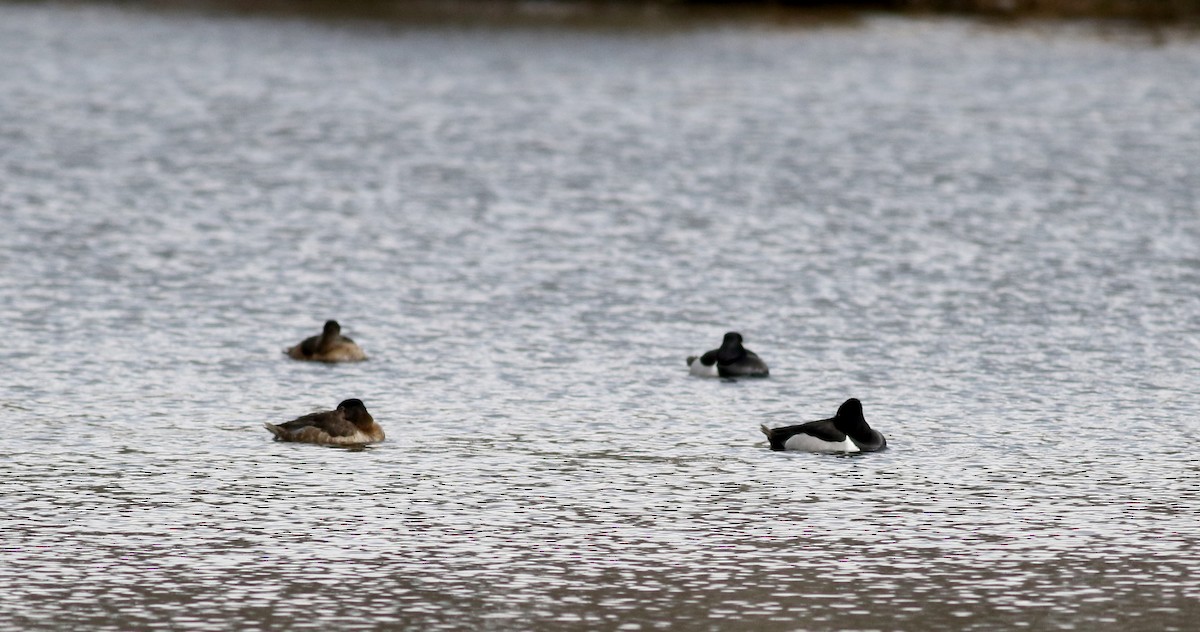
(617, 12)
(1144, 10)
(650, 16)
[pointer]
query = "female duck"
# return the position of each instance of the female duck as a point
(350, 424)
(330, 346)
(731, 360)
(847, 431)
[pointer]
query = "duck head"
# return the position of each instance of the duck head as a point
(355, 412)
(731, 347)
(850, 420)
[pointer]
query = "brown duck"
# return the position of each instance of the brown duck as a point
(350, 424)
(330, 346)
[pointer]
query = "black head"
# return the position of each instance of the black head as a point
(354, 412)
(731, 348)
(850, 420)
(332, 328)
(850, 409)
(352, 405)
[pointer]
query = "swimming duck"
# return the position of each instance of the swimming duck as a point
(731, 360)
(847, 431)
(330, 346)
(350, 424)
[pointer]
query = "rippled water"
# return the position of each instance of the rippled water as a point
(989, 235)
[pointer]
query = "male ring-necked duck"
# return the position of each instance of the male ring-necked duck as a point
(330, 346)
(731, 360)
(350, 424)
(847, 431)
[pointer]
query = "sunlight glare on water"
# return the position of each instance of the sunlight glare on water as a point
(988, 235)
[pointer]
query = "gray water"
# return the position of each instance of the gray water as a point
(990, 235)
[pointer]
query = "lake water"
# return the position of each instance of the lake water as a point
(988, 234)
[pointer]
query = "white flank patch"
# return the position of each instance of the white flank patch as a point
(809, 443)
(698, 369)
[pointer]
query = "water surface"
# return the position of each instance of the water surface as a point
(988, 235)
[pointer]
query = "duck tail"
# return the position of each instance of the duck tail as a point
(690, 360)
(772, 437)
(275, 430)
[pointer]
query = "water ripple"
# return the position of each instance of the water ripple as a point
(528, 229)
